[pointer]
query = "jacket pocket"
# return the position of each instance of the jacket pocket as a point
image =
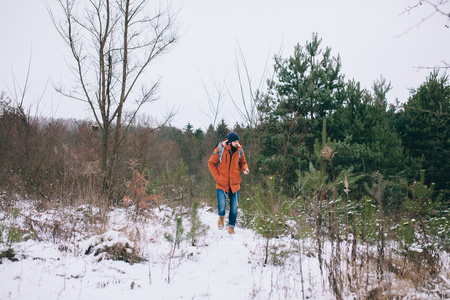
(222, 180)
(235, 176)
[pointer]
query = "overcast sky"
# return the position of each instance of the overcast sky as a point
(373, 39)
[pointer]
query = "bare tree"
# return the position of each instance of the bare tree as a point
(438, 8)
(214, 105)
(248, 95)
(113, 43)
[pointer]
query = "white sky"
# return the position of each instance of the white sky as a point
(371, 37)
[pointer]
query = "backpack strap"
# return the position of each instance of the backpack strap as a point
(220, 154)
(221, 147)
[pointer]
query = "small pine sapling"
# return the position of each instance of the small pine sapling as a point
(197, 227)
(272, 212)
(175, 241)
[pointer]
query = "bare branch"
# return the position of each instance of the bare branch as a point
(113, 44)
(214, 105)
(444, 66)
(440, 7)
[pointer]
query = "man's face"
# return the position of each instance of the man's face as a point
(235, 144)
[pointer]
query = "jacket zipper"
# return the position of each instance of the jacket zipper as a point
(229, 169)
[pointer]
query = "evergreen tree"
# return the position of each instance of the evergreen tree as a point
(424, 127)
(188, 128)
(222, 130)
(190, 146)
(199, 134)
(305, 90)
(366, 140)
(198, 229)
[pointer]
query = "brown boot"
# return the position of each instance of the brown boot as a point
(221, 222)
(231, 230)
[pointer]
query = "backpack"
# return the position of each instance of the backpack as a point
(221, 147)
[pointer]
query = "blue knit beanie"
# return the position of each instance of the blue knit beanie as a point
(232, 136)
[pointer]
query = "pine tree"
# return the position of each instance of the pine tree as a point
(222, 130)
(424, 127)
(305, 90)
(366, 138)
(197, 227)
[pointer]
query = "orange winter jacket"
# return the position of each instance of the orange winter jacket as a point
(227, 173)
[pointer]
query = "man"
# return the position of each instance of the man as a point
(225, 165)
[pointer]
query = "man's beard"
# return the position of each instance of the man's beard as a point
(233, 148)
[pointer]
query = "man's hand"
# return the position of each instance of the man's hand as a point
(246, 171)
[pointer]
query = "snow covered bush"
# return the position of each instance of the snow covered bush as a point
(112, 245)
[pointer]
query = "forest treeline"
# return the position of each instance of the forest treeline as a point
(308, 113)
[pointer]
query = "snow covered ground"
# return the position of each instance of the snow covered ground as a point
(219, 266)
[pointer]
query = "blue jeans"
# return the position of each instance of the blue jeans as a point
(234, 200)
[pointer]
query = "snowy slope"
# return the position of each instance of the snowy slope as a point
(62, 262)
(220, 266)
